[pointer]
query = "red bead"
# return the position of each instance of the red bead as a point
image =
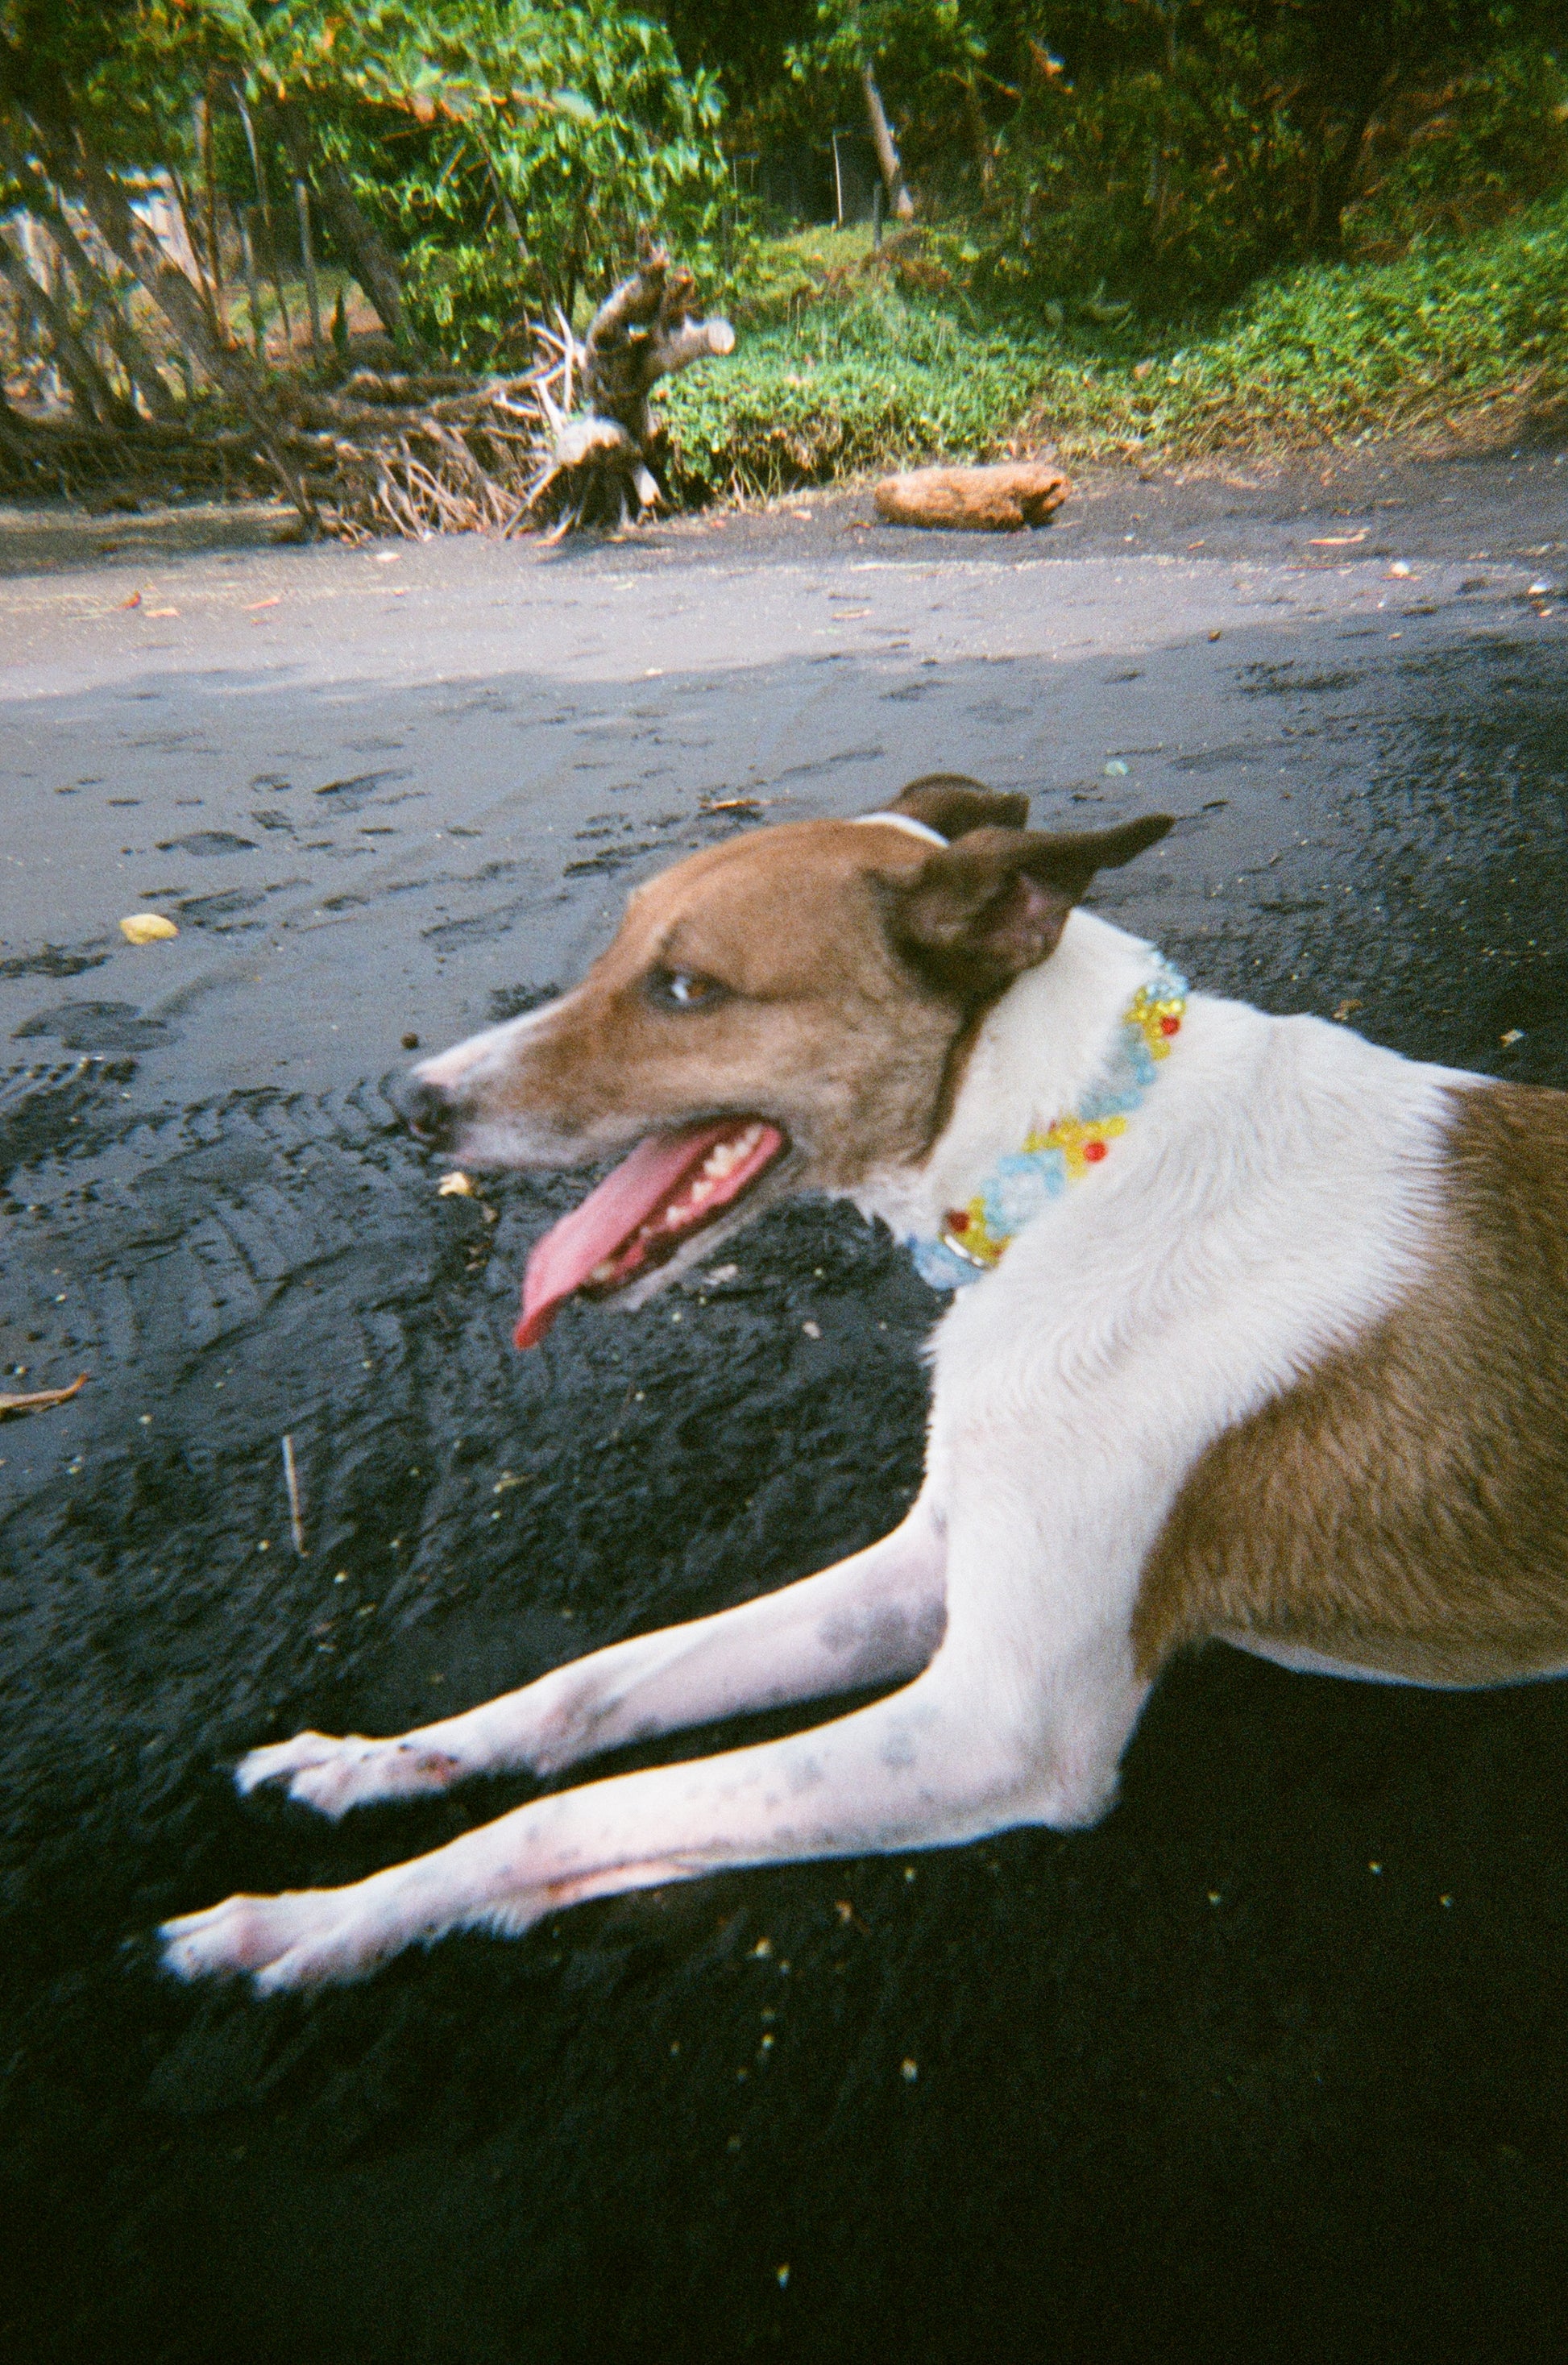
(957, 1220)
(1171, 1027)
(1093, 1153)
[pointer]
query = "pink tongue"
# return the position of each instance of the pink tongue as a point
(564, 1259)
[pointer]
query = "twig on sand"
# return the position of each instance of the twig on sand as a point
(42, 1399)
(291, 1480)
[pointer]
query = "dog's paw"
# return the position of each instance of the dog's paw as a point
(333, 1776)
(305, 1938)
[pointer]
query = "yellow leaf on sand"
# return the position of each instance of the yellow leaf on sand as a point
(455, 1186)
(146, 928)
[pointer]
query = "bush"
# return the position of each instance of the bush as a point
(1339, 350)
(874, 378)
(1463, 152)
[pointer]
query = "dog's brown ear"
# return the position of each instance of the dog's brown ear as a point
(980, 912)
(952, 803)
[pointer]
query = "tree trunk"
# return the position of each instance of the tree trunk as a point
(211, 235)
(1335, 183)
(308, 257)
(370, 259)
(981, 141)
(882, 140)
(645, 330)
(12, 434)
(90, 390)
(76, 165)
(263, 198)
(39, 200)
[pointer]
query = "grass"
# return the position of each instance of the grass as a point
(876, 381)
(847, 362)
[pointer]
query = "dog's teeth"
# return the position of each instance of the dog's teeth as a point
(681, 1211)
(725, 1156)
(604, 1272)
(679, 1214)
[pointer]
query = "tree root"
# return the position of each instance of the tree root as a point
(424, 452)
(43, 459)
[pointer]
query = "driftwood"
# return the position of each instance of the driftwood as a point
(410, 450)
(996, 500)
(422, 456)
(602, 465)
(70, 458)
(380, 456)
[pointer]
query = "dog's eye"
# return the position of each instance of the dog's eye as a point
(682, 989)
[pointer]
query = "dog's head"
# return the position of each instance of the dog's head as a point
(787, 1011)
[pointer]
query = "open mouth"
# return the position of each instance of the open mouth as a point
(672, 1185)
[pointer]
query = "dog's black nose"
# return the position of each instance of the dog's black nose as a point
(426, 1110)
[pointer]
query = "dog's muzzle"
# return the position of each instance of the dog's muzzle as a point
(429, 1112)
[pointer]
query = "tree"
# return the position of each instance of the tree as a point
(502, 147)
(1186, 144)
(468, 157)
(1174, 147)
(929, 51)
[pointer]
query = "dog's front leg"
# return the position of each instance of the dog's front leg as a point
(947, 1759)
(873, 1617)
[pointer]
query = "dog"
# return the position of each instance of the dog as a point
(1258, 1332)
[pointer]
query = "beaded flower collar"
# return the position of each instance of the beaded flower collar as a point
(973, 1236)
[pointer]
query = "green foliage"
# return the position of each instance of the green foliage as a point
(1451, 334)
(745, 46)
(509, 150)
(1463, 151)
(1335, 351)
(1218, 141)
(921, 42)
(943, 70)
(126, 71)
(1175, 148)
(880, 380)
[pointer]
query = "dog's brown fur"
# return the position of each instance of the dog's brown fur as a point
(813, 1020)
(1359, 1515)
(844, 971)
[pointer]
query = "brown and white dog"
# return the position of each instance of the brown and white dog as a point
(1277, 1352)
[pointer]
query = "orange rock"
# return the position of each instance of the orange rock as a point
(995, 500)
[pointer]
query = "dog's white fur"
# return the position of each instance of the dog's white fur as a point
(1272, 1199)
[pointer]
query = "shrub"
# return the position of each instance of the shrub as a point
(875, 378)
